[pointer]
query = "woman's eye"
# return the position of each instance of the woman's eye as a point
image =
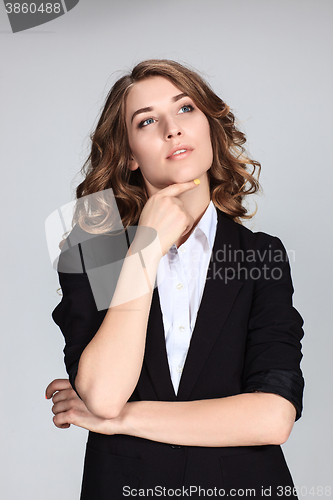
(186, 109)
(144, 123)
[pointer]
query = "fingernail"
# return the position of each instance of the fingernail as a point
(46, 396)
(196, 181)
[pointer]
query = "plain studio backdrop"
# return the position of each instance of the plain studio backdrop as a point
(271, 61)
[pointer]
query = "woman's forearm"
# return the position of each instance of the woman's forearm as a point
(111, 363)
(241, 420)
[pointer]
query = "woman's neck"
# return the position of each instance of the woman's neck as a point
(195, 202)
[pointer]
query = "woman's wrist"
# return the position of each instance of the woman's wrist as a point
(147, 244)
(126, 422)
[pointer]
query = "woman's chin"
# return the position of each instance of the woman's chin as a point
(177, 179)
(182, 178)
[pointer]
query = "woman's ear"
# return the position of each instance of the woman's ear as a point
(133, 164)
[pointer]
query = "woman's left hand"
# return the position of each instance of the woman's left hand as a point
(69, 409)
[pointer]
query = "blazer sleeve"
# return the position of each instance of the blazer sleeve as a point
(77, 318)
(89, 267)
(273, 348)
(76, 315)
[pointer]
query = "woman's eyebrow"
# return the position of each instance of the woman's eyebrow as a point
(150, 108)
(179, 96)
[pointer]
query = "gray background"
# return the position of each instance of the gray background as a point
(271, 61)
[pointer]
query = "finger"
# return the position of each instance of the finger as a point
(179, 188)
(189, 226)
(69, 404)
(62, 406)
(58, 384)
(60, 421)
(72, 416)
(65, 394)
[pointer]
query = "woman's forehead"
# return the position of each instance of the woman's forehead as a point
(150, 92)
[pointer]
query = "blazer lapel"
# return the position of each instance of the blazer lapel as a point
(156, 359)
(219, 294)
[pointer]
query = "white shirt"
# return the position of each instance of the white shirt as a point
(180, 291)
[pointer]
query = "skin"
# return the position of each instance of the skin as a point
(242, 420)
(152, 134)
(169, 123)
(174, 207)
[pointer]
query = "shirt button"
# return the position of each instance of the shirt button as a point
(179, 369)
(183, 249)
(175, 446)
(179, 286)
(181, 328)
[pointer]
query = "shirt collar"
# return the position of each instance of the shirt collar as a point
(205, 231)
(207, 224)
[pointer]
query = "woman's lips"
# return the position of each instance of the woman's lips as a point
(180, 156)
(179, 147)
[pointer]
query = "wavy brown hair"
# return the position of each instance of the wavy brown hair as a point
(232, 176)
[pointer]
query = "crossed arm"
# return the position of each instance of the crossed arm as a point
(247, 419)
(241, 420)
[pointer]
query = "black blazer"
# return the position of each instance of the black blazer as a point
(246, 338)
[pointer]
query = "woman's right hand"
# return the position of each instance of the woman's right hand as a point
(166, 213)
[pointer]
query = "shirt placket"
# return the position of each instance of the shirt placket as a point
(181, 322)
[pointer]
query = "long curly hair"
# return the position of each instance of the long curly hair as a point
(232, 176)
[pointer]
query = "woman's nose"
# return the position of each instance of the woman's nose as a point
(172, 129)
(174, 134)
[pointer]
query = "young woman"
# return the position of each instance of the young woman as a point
(188, 388)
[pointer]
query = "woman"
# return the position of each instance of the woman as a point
(187, 389)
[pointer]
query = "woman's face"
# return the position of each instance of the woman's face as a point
(168, 135)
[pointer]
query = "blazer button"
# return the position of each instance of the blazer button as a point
(175, 446)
